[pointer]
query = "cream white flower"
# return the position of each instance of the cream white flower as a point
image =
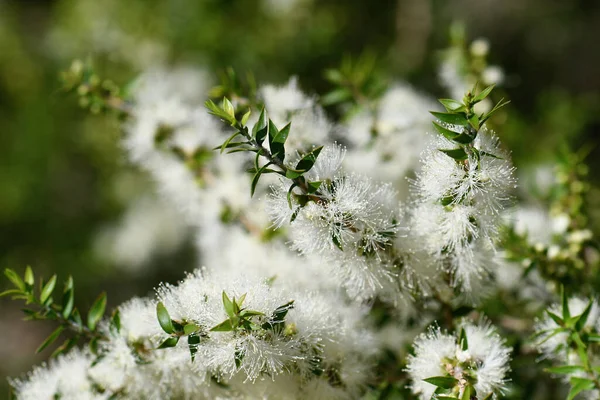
(480, 362)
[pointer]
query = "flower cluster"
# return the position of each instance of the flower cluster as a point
(297, 268)
(475, 362)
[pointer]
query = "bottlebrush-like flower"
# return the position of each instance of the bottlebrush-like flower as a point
(475, 361)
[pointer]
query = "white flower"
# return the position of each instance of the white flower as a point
(328, 163)
(64, 377)
(148, 228)
(480, 47)
(486, 181)
(493, 75)
(313, 327)
(560, 223)
(482, 363)
(282, 101)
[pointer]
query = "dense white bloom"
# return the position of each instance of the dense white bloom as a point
(66, 377)
(457, 205)
(328, 163)
(320, 326)
(310, 126)
(101, 35)
(482, 364)
(385, 144)
(485, 180)
(148, 228)
(350, 226)
(532, 222)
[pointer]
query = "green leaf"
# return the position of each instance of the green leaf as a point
(295, 214)
(65, 347)
(96, 311)
(314, 186)
(245, 117)
(336, 241)
(115, 321)
(500, 104)
(281, 311)
(293, 173)
(219, 112)
(48, 289)
(593, 338)
(250, 313)
(261, 128)
(445, 382)
(462, 340)
(228, 305)
(289, 194)
(235, 144)
(451, 118)
(581, 348)
(582, 318)
(452, 105)
(559, 321)
(68, 298)
(50, 339)
(565, 369)
(10, 292)
(164, 319)
(256, 178)
(457, 154)
(193, 342)
(190, 328)
(336, 96)
(277, 140)
(334, 76)
(447, 133)
(464, 138)
(76, 317)
(474, 121)
(578, 385)
(227, 142)
(483, 94)
(169, 342)
(467, 393)
(484, 153)
(15, 279)
(277, 320)
(29, 279)
(308, 160)
(228, 107)
(224, 326)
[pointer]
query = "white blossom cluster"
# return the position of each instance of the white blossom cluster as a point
(359, 238)
(479, 359)
(460, 205)
(323, 351)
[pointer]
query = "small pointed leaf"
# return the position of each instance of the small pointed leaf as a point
(48, 289)
(164, 319)
(457, 154)
(96, 311)
(445, 382)
(169, 342)
(50, 339)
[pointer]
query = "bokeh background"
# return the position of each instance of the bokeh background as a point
(65, 183)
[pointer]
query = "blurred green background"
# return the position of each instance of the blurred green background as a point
(63, 177)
